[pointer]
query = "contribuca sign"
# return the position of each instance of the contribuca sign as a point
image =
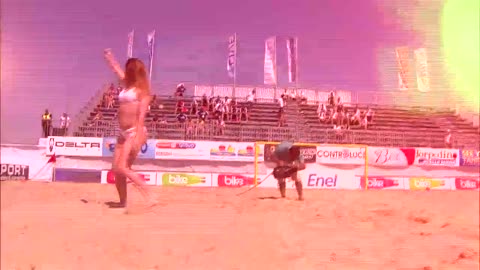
(74, 146)
(340, 155)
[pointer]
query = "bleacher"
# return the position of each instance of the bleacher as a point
(392, 126)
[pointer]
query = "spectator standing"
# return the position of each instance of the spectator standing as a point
(64, 123)
(46, 123)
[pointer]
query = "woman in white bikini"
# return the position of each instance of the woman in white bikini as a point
(134, 101)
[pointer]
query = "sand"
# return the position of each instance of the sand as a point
(68, 226)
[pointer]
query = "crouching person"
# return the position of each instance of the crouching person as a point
(288, 162)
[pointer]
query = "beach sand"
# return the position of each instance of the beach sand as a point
(50, 226)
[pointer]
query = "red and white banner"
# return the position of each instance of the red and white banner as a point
(270, 64)
(467, 183)
(340, 155)
(403, 54)
(437, 157)
(390, 156)
(423, 76)
(383, 182)
(233, 180)
(150, 178)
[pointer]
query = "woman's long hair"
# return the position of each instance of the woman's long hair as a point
(136, 76)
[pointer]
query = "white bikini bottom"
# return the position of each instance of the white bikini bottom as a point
(129, 133)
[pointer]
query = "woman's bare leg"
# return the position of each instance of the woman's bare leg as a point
(120, 179)
(130, 151)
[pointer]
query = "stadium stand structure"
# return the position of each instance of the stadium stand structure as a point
(393, 126)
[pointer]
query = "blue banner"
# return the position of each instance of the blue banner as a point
(147, 150)
(470, 158)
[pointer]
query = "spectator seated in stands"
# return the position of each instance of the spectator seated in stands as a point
(97, 117)
(180, 106)
(182, 117)
(347, 120)
(321, 108)
(245, 114)
(228, 109)
(333, 116)
(448, 139)
(190, 127)
(340, 112)
(194, 107)
(219, 127)
(202, 116)
(356, 118)
(233, 109)
(303, 98)
(204, 102)
(322, 117)
(154, 104)
(281, 112)
(219, 109)
(369, 116)
(281, 118)
(211, 104)
(180, 91)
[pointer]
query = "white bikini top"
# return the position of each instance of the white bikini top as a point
(129, 95)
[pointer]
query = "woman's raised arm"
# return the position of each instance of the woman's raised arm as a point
(112, 62)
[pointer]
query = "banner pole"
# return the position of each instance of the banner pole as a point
(235, 68)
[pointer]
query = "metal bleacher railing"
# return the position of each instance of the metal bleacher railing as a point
(211, 132)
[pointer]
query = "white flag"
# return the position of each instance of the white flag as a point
(130, 44)
(292, 54)
(423, 76)
(151, 48)
(402, 54)
(232, 56)
(269, 68)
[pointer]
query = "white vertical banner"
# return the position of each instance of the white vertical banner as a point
(402, 54)
(270, 65)
(130, 44)
(423, 76)
(151, 48)
(232, 56)
(292, 52)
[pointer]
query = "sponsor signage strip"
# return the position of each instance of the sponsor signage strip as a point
(14, 172)
(245, 152)
(311, 178)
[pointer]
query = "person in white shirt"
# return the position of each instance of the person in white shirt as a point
(64, 123)
(281, 102)
(251, 98)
